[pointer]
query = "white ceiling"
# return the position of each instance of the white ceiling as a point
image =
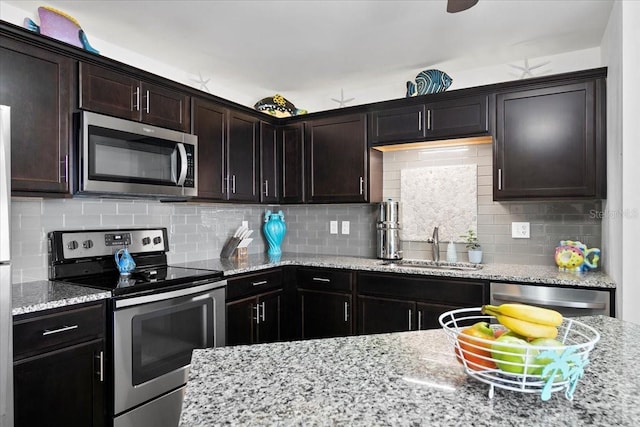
(302, 44)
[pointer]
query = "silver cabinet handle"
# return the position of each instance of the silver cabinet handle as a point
(419, 120)
(410, 316)
(499, 178)
(64, 173)
(266, 187)
(346, 311)
(361, 185)
(148, 107)
(59, 330)
(233, 184)
(419, 320)
(136, 100)
(261, 282)
(100, 372)
(264, 311)
(321, 279)
(428, 119)
(257, 310)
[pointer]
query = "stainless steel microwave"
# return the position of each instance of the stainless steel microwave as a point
(125, 158)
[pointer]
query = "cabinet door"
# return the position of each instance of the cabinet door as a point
(242, 158)
(428, 314)
(336, 157)
(60, 388)
(325, 314)
(545, 143)
(458, 117)
(37, 85)
(269, 315)
(209, 124)
(397, 124)
(164, 107)
(108, 92)
(380, 315)
(269, 166)
(241, 321)
(292, 163)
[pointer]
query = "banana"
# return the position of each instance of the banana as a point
(528, 313)
(523, 327)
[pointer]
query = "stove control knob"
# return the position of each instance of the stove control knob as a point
(146, 240)
(157, 240)
(73, 245)
(87, 244)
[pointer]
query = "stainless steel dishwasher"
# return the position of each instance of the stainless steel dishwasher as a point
(571, 302)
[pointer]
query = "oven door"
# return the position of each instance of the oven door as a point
(154, 336)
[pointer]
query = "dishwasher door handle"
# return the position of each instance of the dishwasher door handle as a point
(550, 302)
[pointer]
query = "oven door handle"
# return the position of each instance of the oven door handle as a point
(196, 287)
(183, 164)
(550, 302)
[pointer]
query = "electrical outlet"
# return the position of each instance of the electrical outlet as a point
(345, 227)
(333, 227)
(520, 230)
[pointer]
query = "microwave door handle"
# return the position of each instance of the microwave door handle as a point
(183, 164)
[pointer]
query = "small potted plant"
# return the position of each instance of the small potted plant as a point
(473, 247)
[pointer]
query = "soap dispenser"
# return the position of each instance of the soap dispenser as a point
(451, 252)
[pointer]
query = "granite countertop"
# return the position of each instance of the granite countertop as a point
(533, 274)
(407, 378)
(41, 295)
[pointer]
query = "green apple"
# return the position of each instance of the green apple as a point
(510, 354)
(544, 344)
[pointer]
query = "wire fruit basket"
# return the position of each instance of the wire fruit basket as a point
(541, 369)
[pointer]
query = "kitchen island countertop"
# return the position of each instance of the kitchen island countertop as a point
(407, 378)
(531, 274)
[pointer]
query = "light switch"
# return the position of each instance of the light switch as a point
(520, 230)
(345, 227)
(333, 227)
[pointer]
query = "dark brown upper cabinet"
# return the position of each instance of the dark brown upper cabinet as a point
(110, 92)
(209, 122)
(339, 165)
(269, 164)
(550, 142)
(292, 164)
(38, 86)
(242, 172)
(444, 119)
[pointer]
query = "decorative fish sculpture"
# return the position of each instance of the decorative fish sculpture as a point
(429, 81)
(58, 25)
(278, 106)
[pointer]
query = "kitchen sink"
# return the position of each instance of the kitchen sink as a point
(431, 265)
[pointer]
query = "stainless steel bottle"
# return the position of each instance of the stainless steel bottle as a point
(388, 230)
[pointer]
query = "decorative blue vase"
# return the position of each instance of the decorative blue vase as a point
(274, 229)
(124, 261)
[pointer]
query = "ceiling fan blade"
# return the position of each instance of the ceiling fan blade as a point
(454, 6)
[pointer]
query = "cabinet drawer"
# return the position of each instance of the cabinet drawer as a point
(324, 279)
(50, 331)
(448, 291)
(253, 284)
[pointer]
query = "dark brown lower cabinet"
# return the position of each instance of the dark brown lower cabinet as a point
(60, 388)
(254, 320)
(395, 302)
(325, 314)
(255, 308)
(59, 367)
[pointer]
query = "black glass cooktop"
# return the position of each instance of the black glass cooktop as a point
(143, 280)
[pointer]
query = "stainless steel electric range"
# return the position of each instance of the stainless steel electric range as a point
(158, 315)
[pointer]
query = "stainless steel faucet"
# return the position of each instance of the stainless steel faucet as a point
(435, 244)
